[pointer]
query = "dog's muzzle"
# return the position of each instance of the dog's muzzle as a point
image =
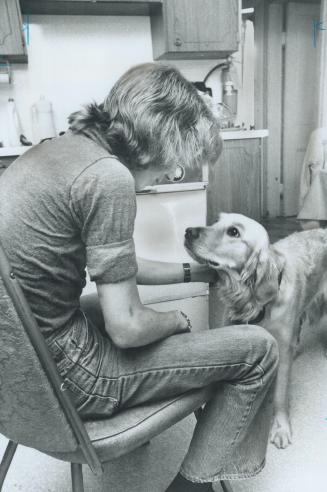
(192, 233)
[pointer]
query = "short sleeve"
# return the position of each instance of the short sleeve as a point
(103, 204)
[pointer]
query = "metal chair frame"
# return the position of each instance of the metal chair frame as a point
(28, 321)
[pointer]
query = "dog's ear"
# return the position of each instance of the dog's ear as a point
(229, 279)
(238, 297)
(265, 279)
(246, 293)
(249, 272)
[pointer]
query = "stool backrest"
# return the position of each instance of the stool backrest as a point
(34, 411)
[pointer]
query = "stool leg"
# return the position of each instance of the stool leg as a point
(6, 461)
(226, 486)
(77, 477)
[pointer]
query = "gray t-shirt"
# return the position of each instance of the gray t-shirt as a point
(64, 205)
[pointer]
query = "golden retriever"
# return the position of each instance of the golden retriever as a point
(272, 285)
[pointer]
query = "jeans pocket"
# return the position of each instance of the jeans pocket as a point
(99, 402)
(77, 395)
(68, 347)
(63, 362)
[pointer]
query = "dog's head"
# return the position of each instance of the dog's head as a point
(229, 242)
(237, 247)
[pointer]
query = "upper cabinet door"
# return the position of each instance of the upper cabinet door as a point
(12, 44)
(192, 29)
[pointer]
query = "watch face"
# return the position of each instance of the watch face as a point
(183, 175)
(179, 175)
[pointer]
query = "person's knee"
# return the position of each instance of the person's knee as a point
(263, 345)
(267, 348)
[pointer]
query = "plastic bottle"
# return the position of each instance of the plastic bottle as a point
(14, 126)
(42, 117)
(229, 95)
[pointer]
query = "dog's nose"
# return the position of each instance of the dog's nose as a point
(192, 232)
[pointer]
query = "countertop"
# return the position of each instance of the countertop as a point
(243, 134)
(226, 135)
(12, 151)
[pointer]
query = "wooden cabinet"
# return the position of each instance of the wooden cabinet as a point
(88, 7)
(235, 181)
(234, 186)
(181, 29)
(193, 29)
(12, 43)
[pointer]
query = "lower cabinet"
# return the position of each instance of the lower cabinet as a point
(234, 186)
(235, 181)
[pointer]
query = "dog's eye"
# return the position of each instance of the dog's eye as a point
(233, 232)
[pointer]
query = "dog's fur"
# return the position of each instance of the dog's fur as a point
(271, 285)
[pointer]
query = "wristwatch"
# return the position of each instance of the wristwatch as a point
(187, 272)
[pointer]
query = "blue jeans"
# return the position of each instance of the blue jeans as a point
(231, 435)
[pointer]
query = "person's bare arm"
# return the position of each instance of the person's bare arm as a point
(129, 323)
(159, 272)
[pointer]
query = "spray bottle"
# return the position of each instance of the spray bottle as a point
(229, 94)
(14, 126)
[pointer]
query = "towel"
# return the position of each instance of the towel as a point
(313, 186)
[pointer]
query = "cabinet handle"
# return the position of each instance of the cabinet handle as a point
(178, 42)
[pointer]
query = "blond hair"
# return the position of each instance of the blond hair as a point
(152, 117)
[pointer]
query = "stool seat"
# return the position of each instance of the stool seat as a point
(36, 410)
(133, 427)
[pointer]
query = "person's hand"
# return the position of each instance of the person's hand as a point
(203, 273)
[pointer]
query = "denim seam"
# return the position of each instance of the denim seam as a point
(250, 403)
(65, 362)
(103, 378)
(77, 364)
(87, 332)
(246, 412)
(90, 394)
(81, 349)
(225, 476)
(98, 370)
(238, 431)
(95, 376)
(186, 368)
(140, 421)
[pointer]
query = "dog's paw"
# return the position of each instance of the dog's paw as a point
(281, 432)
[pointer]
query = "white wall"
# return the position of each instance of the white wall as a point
(76, 59)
